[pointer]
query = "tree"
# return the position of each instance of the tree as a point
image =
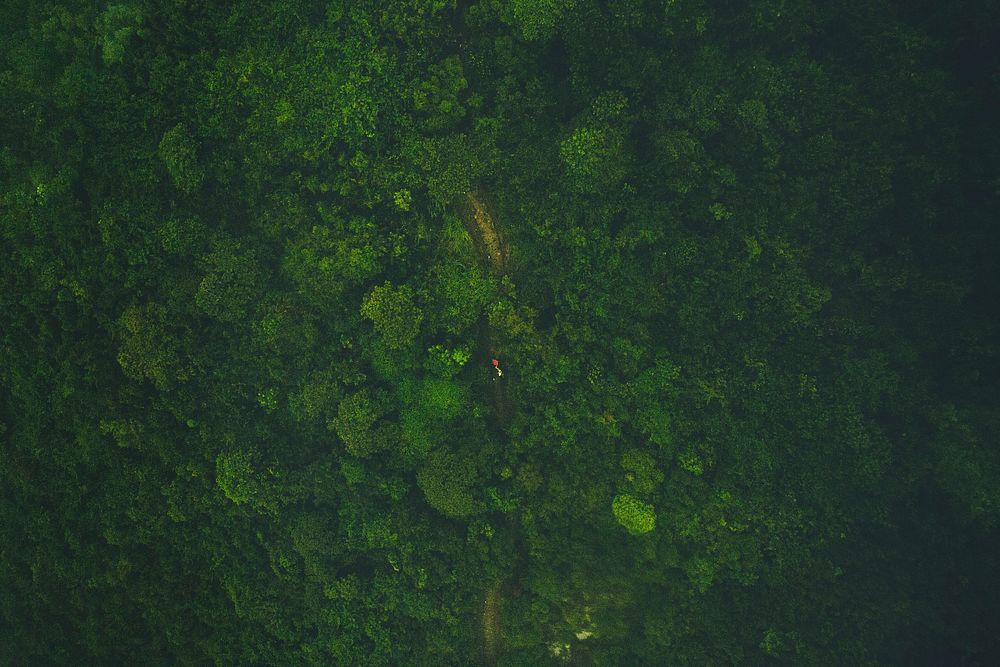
(393, 313)
(437, 98)
(235, 475)
(539, 19)
(180, 155)
(430, 408)
(117, 24)
(326, 260)
(640, 471)
(447, 480)
(634, 515)
(460, 294)
(355, 423)
(592, 158)
(231, 281)
(147, 349)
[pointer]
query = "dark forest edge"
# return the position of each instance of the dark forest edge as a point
(743, 296)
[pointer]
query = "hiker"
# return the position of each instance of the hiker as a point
(496, 365)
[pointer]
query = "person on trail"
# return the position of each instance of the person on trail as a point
(496, 365)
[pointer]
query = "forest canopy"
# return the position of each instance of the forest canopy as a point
(450, 332)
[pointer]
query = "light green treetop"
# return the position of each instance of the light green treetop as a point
(636, 516)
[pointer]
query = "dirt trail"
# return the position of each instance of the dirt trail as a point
(491, 625)
(493, 252)
(485, 234)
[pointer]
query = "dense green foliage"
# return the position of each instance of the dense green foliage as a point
(747, 327)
